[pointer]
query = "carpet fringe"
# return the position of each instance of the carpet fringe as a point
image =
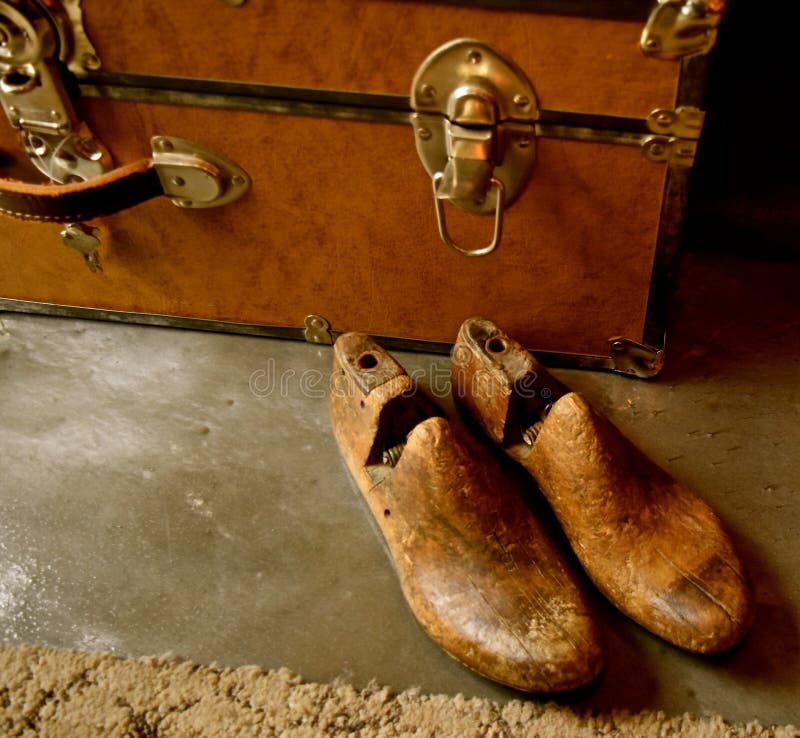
(53, 692)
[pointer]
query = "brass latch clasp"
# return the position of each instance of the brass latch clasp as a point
(474, 129)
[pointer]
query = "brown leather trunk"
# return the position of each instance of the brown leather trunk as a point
(340, 219)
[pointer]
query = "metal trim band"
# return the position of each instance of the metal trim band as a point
(691, 84)
(549, 358)
(632, 10)
(339, 105)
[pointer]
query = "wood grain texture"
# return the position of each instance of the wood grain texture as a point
(478, 571)
(574, 64)
(650, 544)
(340, 222)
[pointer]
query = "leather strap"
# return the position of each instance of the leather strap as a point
(109, 193)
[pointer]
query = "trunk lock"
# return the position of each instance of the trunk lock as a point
(474, 115)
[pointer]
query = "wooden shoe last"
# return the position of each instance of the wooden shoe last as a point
(476, 568)
(652, 546)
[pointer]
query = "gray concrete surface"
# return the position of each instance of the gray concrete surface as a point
(174, 491)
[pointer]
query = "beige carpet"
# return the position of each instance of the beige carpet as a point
(48, 692)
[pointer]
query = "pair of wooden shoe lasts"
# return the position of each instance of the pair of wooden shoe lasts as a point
(478, 570)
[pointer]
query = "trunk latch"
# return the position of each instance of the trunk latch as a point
(474, 128)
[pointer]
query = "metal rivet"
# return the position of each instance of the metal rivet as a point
(657, 149)
(177, 181)
(474, 57)
(55, 115)
(618, 346)
(163, 144)
(185, 203)
(424, 134)
(521, 101)
(664, 118)
(88, 146)
(651, 44)
(523, 143)
(36, 146)
(238, 180)
(427, 92)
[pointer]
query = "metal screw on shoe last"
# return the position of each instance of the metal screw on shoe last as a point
(530, 434)
(392, 455)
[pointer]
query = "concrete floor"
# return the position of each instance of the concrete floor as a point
(159, 493)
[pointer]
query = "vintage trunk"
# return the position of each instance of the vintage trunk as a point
(320, 102)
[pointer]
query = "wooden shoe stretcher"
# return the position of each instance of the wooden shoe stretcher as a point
(652, 547)
(477, 570)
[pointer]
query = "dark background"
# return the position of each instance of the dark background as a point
(744, 195)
